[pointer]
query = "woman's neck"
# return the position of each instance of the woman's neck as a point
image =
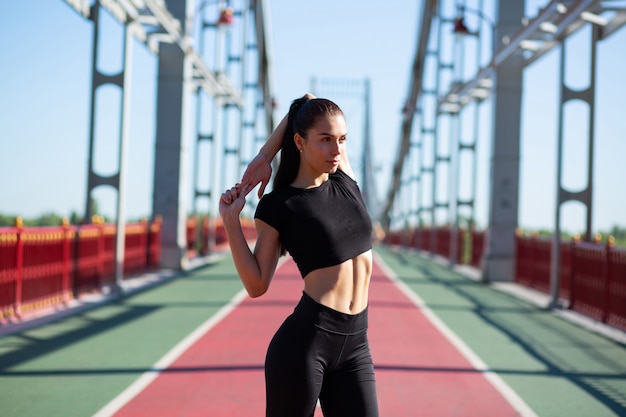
(306, 179)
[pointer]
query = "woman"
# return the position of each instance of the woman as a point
(316, 213)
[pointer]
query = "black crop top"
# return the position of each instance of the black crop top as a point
(321, 226)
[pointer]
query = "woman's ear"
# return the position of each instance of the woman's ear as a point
(299, 141)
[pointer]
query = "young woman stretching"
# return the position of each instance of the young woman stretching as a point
(316, 213)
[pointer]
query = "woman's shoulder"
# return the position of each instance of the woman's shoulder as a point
(277, 193)
(274, 197)
(341, 176)
(271, 208)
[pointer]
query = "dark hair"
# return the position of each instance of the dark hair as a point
(303, 114)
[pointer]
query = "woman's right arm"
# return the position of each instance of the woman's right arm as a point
(255, 269)
(260, 169)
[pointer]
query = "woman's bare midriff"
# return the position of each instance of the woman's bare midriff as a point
(342, 287)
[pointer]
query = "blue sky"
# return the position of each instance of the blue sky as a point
(44, 105)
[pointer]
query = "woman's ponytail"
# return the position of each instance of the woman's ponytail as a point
(289, 154)
(303, 114)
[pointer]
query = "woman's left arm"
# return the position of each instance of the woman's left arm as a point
(344, 165)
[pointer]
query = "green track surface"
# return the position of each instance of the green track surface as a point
(76, 365)
(556, 367)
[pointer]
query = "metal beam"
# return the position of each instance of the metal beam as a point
(429, 11)
(535, 38)
(152, 24)
(265, 64)
(81, 6)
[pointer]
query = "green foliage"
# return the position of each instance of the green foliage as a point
(50, 219)
(46, 219)
(7, 221)
(467, 222)
(618, 233)
(75, 218)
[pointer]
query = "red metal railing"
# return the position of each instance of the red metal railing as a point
(532, 266)
(422, 239)
(198, 234)
(476, 240)
(615, 295)
(598, 282)
(45, 266)
(592, 276)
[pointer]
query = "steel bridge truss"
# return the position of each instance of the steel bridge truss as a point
(536, 37)
(169, 34)
(151, 23)
(513, 48)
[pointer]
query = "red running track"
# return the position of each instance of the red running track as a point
(418, 371)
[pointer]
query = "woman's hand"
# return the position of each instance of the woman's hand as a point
(258, 171)
(233, 200)
(260, 168)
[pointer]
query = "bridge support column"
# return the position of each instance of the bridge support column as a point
(169, 181)
(499, 258)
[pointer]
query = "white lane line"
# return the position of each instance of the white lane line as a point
(147, 377)
(502, 387)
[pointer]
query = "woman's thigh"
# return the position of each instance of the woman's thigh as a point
(293, 373)
(350, 389)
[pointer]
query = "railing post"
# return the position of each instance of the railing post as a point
(530, 271)
(606, 276)
(145, 244)
(19, 263)
(98, 221)
(154, 243)
(65, 262)
(204, 240)
(518, 255)
(572, 275)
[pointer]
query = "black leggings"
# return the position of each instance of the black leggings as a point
(320, 353)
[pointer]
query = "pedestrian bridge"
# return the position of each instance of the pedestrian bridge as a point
(193, 343)
(104, 318)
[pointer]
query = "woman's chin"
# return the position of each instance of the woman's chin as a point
(333, 168)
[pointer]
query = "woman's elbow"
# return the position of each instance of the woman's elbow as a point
(255, 291)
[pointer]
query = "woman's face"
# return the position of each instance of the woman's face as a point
(325, 144)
